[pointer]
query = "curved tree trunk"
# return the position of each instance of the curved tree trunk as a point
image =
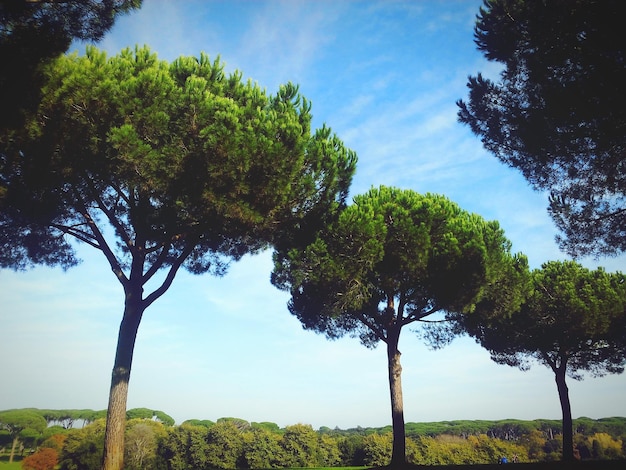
(398, 455)
(568, 436)
(113, 458)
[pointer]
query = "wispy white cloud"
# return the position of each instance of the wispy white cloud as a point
(283, 39)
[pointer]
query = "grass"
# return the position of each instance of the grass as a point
(584, 465)
(5, 465)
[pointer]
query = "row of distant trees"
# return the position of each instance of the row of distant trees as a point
(235, 443)
(162, 166)
(28, 426)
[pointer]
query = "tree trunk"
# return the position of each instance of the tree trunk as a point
(15, 440)
(113, 458)
(398, 455)
(568, 437)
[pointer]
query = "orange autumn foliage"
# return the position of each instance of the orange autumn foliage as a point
(44, 459)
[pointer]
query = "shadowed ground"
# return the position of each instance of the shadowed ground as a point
(586, 465)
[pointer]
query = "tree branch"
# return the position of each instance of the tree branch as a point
(77, 233)
(158, 263)
(170, 275)
(109, 213)
(377, 332)
(423, 314)
(101, 241)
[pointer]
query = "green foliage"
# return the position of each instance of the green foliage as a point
(392, 258)
(601, 446)
(33, 33)
(182, 148)
(377, 449)
(300, 446)
(164, 418)
(239, 423)
(224, 445)
(442, 443)
(141, 443)
(557, 113)
(17, 421)
(10, 466)
(83, 448)
(419, 253)
(139, 413)
(262, 449)
(352, 449)
(571, 319)
(572, 322)
(161, 166)
(199, 422)
(184, 447)
(145, 413)
(22, 425)
(476, 449)
(272, 427)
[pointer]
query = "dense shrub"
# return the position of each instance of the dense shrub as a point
(44, 459)
(235, 444)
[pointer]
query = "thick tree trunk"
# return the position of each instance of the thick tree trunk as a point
(568, 436)
(398, 455)
(113, 458)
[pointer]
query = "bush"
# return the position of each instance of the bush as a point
(45, 458)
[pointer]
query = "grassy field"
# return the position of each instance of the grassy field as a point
(5, 465)
(586, 465)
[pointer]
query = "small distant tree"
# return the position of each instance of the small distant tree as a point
(160, 167)
(164, 418)
(239, 423)
(16, 422)
(139, 413)
(141, 443)
(572, 322)
(205, 423)
(267, 425)
(394, 258)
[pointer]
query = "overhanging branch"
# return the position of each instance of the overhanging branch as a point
(78, 234)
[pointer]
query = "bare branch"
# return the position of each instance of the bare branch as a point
(77, 233)
(170, 275)
(101, 241)
(367, 321)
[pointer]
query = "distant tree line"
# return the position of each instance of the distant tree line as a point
(153, 442)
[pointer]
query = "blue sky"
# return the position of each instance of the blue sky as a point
(385, 76)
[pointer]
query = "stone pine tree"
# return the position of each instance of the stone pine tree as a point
(160, 166)
(558, 111)
(394, 257)
(16, 421)
(32, 33)
(573, 321)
